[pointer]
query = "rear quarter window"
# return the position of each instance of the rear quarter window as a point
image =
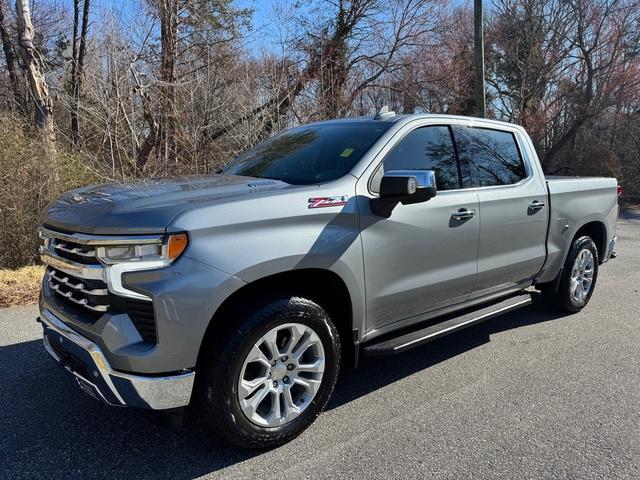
(488, 157)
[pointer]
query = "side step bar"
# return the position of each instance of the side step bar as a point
(420, 337)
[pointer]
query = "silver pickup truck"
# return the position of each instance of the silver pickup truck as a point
(243, 293)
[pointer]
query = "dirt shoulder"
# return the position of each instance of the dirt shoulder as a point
(20, 287)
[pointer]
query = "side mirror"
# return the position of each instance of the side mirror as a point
(403, 186)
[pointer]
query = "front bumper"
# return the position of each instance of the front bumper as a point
(86, 362)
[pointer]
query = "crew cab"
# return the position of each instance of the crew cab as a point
(243, 293)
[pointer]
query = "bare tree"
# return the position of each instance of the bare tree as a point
(526, 54)
(602, 50)
(33, 68)
(360, 43)
(10, 59)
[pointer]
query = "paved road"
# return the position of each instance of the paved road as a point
(528, 395)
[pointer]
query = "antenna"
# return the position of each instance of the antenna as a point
(384, 112)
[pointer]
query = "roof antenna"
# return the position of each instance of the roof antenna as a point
(384, 112)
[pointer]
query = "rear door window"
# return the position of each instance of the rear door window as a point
(488, 157)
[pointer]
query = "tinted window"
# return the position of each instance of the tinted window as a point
(310, 154)
(426, 148)
(488, 157)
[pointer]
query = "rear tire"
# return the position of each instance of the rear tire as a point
(243, 358)
(577, 279)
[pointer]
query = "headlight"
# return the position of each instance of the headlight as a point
(166, 252)
(130, 253)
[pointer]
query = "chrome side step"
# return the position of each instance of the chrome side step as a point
(420, 337)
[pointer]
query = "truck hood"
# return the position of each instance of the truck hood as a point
(145, 206)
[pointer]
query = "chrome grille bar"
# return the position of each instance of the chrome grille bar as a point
(89, 272)
(82, 252)
(80, 301)
(79, 287)
(100, 239)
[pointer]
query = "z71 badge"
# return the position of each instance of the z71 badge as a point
(321, 202)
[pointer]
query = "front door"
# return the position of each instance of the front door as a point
(423, 257)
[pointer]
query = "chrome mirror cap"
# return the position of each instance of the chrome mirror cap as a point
(403, 186)
(424, 178)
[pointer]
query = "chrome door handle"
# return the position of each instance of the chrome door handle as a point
(463, 214)
(536, 205)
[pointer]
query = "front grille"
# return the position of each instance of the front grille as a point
(88, 296)
(85, 254)
(76, 279)
(141, 314)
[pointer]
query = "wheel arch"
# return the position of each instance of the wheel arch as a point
(597, 230)
(323, 286)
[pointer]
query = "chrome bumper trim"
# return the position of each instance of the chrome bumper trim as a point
(155, 393)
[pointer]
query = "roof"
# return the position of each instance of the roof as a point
(405, 118)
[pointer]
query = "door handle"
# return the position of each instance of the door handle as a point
(536, 205)
(463, 214)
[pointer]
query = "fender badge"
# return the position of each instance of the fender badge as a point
(262, 183)
(321, 202)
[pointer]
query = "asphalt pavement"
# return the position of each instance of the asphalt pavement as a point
(531, 394)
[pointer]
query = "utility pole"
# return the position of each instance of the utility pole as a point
(478, 69)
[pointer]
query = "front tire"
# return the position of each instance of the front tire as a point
(269, 379)
(578, 277)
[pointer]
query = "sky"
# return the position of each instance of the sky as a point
(265, 33)
(263, 28)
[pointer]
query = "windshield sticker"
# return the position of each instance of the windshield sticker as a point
(347, 152)
(321, 202)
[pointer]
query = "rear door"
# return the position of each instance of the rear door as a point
(421, 258)
(513, 210)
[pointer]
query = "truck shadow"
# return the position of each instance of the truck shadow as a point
(377, 372)
(50, 429)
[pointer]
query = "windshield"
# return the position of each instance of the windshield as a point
(310, 154)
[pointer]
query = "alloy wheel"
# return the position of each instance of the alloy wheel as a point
(281, 375)
(582, 275)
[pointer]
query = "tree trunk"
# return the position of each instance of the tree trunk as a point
(144, 151)
(77, 64)
(162, 127)
(32, 64)
(74, 73)
(10, 60)
(168, 11)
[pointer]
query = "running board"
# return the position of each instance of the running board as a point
(420, 337)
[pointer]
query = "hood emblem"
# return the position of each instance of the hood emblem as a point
(321, 202)
(84, 197)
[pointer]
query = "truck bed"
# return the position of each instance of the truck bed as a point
(573, 203)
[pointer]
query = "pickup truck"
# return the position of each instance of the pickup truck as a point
(243, 293)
